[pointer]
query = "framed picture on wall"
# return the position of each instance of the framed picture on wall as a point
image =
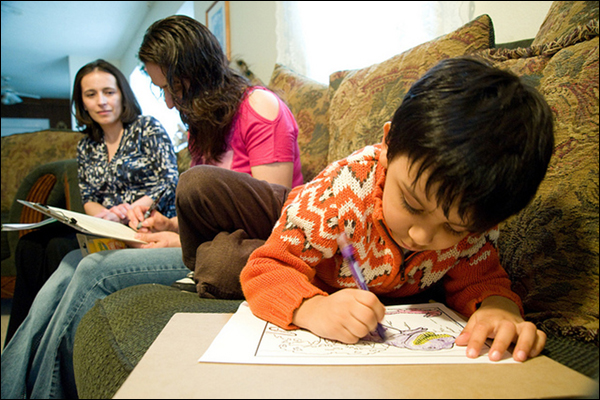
(217, 21)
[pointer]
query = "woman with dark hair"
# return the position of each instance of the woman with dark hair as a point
(248, 129)
(125, 160)
(237, 133)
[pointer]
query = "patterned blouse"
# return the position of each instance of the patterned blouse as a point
(144, 164)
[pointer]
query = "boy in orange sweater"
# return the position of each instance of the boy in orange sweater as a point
(466, 149)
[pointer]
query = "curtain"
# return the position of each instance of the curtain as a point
(316, 38)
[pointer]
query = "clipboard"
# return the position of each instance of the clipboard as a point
(82, 222)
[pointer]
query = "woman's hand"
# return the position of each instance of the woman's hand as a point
(157, 239)
(346, 315)
(156, 222)
(157, 230)
(117, 213)
(499, 318)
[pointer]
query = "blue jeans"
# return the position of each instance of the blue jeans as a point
(38, 361)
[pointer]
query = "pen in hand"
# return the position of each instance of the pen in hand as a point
(347, 251)
(152, 208)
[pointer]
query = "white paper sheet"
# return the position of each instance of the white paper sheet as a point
(423, 334)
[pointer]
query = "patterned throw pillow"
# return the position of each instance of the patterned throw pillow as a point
(562, 17)
(550, 249)
(308, 101)
(368, 97)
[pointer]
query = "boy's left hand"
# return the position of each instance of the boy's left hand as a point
(499, 318)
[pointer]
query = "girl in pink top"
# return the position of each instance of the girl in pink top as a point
(231, 124)
(255, 140)
(243, 142)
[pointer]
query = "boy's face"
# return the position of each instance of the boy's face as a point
(415, 221)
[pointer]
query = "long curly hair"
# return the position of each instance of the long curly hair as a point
(209, 92)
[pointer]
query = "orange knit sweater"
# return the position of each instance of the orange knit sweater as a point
(301, 257)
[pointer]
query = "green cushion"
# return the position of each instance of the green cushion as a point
(110, 342)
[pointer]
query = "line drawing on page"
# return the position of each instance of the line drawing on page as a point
(424, 329)
(415, 334)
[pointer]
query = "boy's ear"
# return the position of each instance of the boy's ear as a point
(383, 156)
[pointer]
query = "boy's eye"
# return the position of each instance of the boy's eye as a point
(409, 208)
(452, 231)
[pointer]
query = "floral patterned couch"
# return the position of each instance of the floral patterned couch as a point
(550, 249)
(40, 167)
(43, 169)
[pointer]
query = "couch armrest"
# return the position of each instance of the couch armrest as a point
(55, 184)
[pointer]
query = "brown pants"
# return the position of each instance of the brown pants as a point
(223, 216)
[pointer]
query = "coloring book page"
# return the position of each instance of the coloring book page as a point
(415, 334)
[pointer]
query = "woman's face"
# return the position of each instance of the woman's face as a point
(159, 79)
(102, 98)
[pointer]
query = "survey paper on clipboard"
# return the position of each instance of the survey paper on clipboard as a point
(86, 223)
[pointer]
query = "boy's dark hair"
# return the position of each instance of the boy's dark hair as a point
(483, 135)
(131, 108)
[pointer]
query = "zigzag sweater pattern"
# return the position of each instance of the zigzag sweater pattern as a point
(301, 258)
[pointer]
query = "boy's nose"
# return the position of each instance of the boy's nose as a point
(421, 236)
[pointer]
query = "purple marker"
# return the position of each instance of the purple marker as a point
(347, 251)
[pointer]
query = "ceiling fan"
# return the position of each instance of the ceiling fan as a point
(10, 96)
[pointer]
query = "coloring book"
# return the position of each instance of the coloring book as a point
(415, 334)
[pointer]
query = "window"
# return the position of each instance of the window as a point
(317, 38)
(152, 103)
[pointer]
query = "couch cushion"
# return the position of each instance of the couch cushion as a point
(556, 260)
(114, 335)
(309, 102)
(367, 98)
(563, 17)
(550, 249)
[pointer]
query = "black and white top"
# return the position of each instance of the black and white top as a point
(144, 164)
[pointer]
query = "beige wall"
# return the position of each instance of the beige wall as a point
(513, 20)
(253, 35)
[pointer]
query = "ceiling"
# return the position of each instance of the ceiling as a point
(38, 37)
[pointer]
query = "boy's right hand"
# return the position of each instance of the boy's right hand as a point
(346, 315)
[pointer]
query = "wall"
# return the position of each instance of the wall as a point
(253, 35)
(56, 110)
(514, 20)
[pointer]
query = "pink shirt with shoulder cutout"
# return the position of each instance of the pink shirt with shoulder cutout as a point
(256, 140)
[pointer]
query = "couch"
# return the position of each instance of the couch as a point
(39, 167)
(44, 170)
(550, 249)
